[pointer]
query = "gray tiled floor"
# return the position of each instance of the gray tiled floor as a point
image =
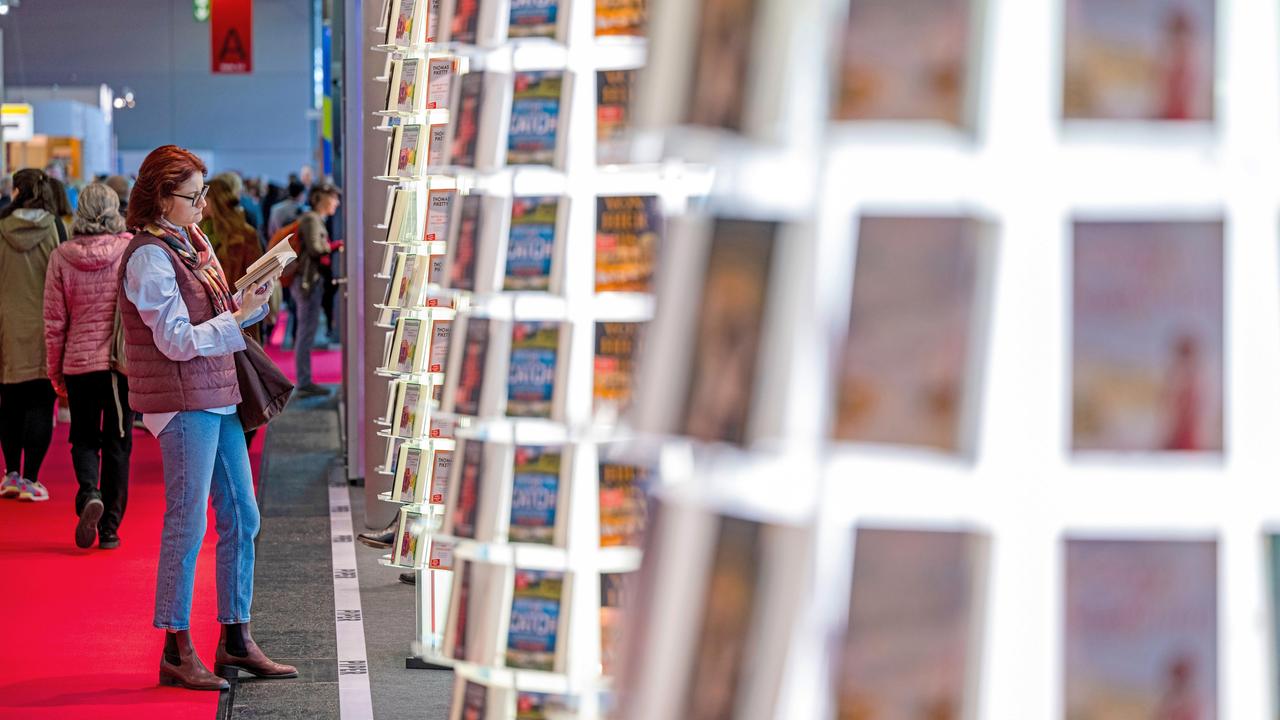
(293, 593)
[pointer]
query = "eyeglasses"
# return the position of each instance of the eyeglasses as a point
(195, 199)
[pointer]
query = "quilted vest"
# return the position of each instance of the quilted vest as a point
(156, 383)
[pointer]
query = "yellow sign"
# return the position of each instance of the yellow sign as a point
(19, 120)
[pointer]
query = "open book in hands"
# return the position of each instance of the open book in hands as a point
(269, 265)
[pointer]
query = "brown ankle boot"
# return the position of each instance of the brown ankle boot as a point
(237, 651)
(181, 666)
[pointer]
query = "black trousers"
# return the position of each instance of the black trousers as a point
(26, 425)
(101, 442)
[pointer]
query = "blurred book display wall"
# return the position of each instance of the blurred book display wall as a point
(966, 365)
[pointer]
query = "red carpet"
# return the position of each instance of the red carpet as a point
(77, 640)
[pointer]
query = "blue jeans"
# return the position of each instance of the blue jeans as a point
(203, 451)
(308, 304)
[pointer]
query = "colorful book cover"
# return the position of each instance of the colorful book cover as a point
(624, 504)
(533, 18)
(614, 90)
(403, 278)
(535, 495)
(439, 83)
(724, 47)
(544, 706)
(441, 465)
(531, 375)
(433, 20)
(909, 352)
(441, 556)
(614, 378)
(908, 650)
(468, 505)
(627, 18)
(471, 375)
(438, 145)
(1147, 344)
(406, 355)
(410, 539)
(730, 325)
(615, 598)
(1141, 635)
(467, 125)
(466, 17)
(442, 427)
(408, 86)
(628, 233)
(535, 617)
(463, 600)
(531, 245)
(462, 274)
(404, 22)
(728, 610)
(407, 161)
(1150, 60)
(409, 420)
(439, 213)
(409, 473)
(439, 345)
(535, 118)
(884, 75)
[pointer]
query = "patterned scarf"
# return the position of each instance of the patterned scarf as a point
(202, 263)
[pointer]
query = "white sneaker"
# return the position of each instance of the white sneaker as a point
(33, 491)
(11, 485)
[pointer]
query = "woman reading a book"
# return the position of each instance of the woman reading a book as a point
(182, 325)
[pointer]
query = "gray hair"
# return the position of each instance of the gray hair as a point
(98, 212)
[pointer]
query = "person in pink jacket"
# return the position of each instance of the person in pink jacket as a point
(79, 328)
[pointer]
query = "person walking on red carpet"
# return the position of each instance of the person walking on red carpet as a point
(79, 330)
(182, 325)
(28, 234)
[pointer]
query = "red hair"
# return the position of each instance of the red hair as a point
(161, 173)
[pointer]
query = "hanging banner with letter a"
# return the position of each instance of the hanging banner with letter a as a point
(231, 36)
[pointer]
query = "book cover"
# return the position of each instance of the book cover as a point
(407, 160)
(439, 213)
(907, 358)
(535, 118)
(466, 19)
(467, 124)
(438, 145)
(535, 495)
(1141, 630)
(1147, 343)
(628, 18)
(544, 706)
(439, 83)
(441, 555)
(442, 427)
(884, 75)
(462, 592)
(439, 354)
(730, 324)
(615, 599)
(533, 18)
(469, 478)
(416, 272)
(400, 279)
(531, 374)
(908, 648)
(724, 46)
(531, 244)
(406, 355)
(471, 374)
(535, 617)
(628, 234)
(392, 75)
(614, 373)
(405, 19)
(475, 697)
(410, 410)
(1150, 60)
(624, 504)
(728, 610)
(441, 466)
(403, 225)
(406, 91)
(433, 20)
(462, 273)
(614, 89)
(409, 465)
(408, 552)
(435, 275)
